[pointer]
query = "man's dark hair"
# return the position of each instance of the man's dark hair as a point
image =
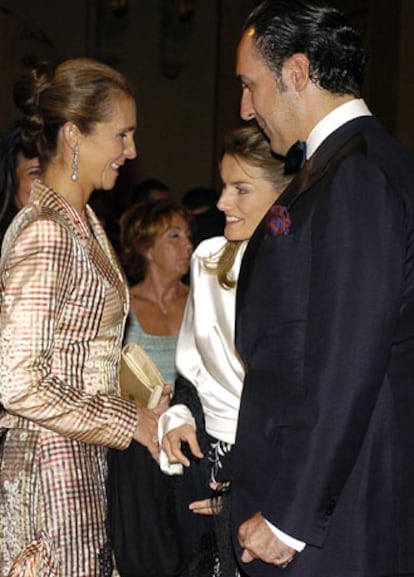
(142, 191)
(200, 196)
(334, 49)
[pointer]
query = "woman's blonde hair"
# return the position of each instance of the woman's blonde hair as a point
(247, 143)
(140, 225)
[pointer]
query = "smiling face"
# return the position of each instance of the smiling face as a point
(27, 170)
(171, 251)
(110, 144)
(245, 198)
(269, 100)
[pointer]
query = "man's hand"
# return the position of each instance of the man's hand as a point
(259, 542)
(171, 443)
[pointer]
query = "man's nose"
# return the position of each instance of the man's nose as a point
(247, 111)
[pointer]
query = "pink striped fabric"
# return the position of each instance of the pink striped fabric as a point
(63, 305)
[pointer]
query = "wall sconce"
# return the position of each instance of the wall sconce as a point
(177, 17)
(119, 7)
(186, 9)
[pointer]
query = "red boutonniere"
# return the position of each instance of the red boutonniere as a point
(278, 220)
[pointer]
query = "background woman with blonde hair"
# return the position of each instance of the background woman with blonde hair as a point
(155, 252)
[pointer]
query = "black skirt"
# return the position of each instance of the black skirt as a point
(153, 533)
(143, 516)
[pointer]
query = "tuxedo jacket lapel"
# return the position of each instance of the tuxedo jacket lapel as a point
(339, 144)
(247, 265)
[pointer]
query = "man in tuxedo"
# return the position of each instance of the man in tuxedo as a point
(323, 480)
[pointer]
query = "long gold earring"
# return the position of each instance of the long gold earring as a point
(75, 164)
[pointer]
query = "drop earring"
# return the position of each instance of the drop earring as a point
(75, 164)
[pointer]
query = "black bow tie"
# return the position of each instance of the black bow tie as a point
(295, 157)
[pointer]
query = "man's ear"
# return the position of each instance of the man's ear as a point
(297, 69)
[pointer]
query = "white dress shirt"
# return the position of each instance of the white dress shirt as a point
(341, 115)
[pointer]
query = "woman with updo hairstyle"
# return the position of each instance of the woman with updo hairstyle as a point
(64, 302)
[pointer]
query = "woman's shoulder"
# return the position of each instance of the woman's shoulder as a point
(36, 226)
(210, 248)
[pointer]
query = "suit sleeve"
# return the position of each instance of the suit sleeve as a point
(37, 278)
(358, 251)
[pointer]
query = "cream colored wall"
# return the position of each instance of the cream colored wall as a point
(175, 115)
(181, 120)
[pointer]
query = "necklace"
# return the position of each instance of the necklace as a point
(159, 305)
(162, 308)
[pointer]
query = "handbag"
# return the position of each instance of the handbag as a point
(139, 377)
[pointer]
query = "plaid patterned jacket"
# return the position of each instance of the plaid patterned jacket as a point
(63, 305)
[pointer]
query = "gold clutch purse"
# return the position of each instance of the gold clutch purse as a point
(139, 377)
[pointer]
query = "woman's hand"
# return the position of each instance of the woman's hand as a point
(164, 401)
(146, 431)
(212, 505)
(205, 506)
(171, 443)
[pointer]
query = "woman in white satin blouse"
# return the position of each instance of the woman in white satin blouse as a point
(206, 355)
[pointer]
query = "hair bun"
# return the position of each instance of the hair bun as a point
(30, 85)
(26, 94)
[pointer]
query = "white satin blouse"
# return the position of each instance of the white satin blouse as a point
(206, 354)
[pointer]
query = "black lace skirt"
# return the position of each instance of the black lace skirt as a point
(145, 525)
(213, 554)
(153, 533)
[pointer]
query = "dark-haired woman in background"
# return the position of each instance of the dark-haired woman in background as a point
(63, 306)
(18, 170)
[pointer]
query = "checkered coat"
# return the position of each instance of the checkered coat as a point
(63, 304)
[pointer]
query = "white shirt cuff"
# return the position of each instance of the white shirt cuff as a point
(287, 539)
